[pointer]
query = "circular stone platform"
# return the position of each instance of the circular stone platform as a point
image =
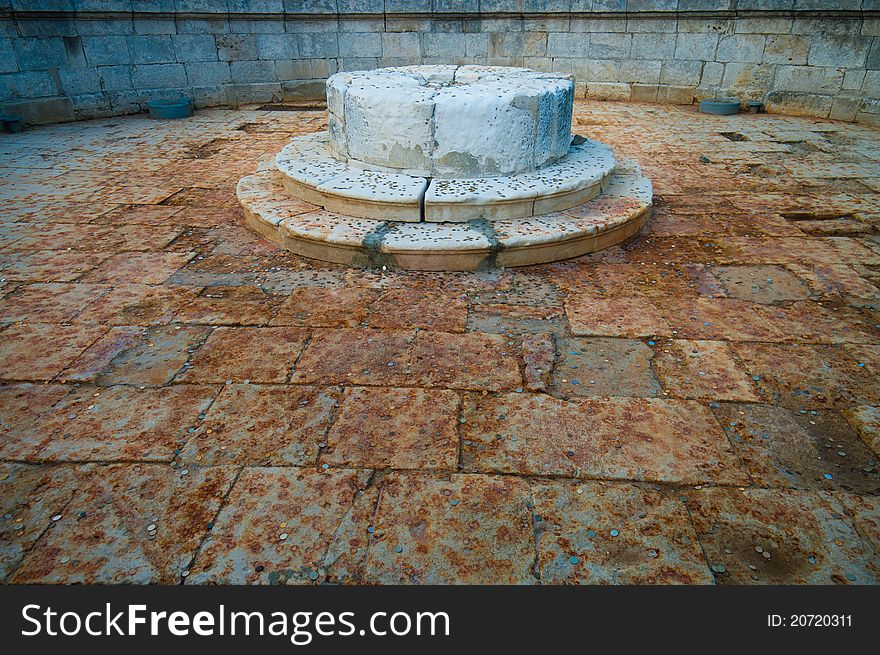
(617, 214)
(450, 121)
(409, 174)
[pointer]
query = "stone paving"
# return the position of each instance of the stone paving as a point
(182, 402)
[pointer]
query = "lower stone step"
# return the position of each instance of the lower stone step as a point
(617, 214)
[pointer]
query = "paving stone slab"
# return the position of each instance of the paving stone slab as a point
(265, 424)
(98, 356)
(343, 306)
(809, 450)
(237, 354)
(465, 361)
(775, 536)
(411, 308)
(21, 408)
(641, 439)
(539, 358)
(42, 351)
(809, 376)
(356, 357)
(99, 424)
(762, 284)
(719, 319)
(51, 302)
(31, 496)
(228, 305)
(457, 529)
(626, 317)
(395, 428)
(596, 533)
(604, 367)
(128, 524)
(277, 525)
(500, 318)
(49, 265)
(702, 369)
(153, 360)
(138, 304)
(138, 268)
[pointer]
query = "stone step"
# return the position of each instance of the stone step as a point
(309, 172)
(615, 215)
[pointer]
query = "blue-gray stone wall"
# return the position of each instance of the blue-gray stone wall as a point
(71, 59)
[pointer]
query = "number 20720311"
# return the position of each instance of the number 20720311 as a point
(809, 621)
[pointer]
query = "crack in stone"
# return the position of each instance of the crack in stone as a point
(486, 228)
(422, 196)
(373, 257)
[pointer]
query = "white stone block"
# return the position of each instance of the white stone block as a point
(450, 121)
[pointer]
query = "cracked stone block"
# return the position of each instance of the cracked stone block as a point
(421, 520)
(99, 424)
(128, 524)
(228, 305)
(23, 406)
(356, 357)
(98, 356)
(258, 354)
(139, 268)
(154, 359)
(50, 265)
(275, 425)
(702, 369)
(450, 121)
(278, 524)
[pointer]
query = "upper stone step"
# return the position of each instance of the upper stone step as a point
(311, 173)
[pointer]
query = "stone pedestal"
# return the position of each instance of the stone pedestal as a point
(446, 168)
(450, 121)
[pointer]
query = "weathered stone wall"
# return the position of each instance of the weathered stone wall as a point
(68, 59)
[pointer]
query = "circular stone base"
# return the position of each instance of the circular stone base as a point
(310, 172)
(307, 230)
